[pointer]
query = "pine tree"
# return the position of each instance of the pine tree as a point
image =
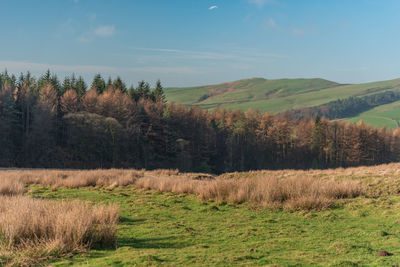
(80, 87)
(118, 84)
(143, 90)
(98, 84)
(158, 93)
(67, 85)
(109, 84)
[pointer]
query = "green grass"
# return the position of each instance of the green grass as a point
(275, 96)
(248, 90)
(178, 230)
(385, 115)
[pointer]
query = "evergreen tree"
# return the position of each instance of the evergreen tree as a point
(98, 84)
(109, 84)
(80, 87)
(66, 85)
(158, 93)
(143, 90)
(118, 84)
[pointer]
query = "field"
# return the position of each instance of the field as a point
(346, 219)
(384, 115)
(279, 95)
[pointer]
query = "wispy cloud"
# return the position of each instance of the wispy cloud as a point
(166, 70)
(261, 3)
(67, 28)
(353, 69)
(304, 31)
(212, 7)
(22, 66)
(238, 55)
(105, 31)
(101, 32)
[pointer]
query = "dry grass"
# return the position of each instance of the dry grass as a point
(36, 229)
(379, 180)
(76, 179)
(12, 182)
(10, 187)
(293, 193)
(297, 189)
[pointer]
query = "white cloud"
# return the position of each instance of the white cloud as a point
(355, 69)
(212, 7)
(204, 55)
(166, 70)
(261, 3)
(22, 66)
(105, 31)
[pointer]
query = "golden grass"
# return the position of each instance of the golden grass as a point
(10, 187)
(379, 180)
(76, 179)
(293, 193)
(295, 189)
(36, 229)
(12, 182)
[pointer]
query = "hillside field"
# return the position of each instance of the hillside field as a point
(385, 115)
(162, 223)
(276, 96)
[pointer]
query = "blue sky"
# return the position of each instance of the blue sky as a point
(195, 42)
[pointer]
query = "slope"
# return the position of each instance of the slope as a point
(279, 95)
(243, 91)
(274, 95)
(385, 115)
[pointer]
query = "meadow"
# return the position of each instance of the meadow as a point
(338, 217)
(385, 115)
(276, 96)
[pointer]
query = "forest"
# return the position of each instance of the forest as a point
(46, 123)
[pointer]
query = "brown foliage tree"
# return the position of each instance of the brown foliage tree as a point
(69, 101)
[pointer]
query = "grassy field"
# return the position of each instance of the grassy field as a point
(384, 115)
(279, 95)
(178, 229)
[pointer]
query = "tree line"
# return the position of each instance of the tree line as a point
(51, 124)
(347, 107)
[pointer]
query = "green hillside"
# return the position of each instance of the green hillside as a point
(284, 94)
(384, 115)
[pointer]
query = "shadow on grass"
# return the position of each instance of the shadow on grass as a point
(161, 242)
(129, 221)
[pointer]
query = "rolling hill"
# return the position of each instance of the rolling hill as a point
(279, 95)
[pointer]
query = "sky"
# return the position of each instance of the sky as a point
(198, 42)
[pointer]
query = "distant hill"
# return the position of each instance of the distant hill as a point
(286, 94)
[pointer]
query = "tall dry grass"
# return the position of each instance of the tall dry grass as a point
(34, 229)
(13, 182)
(287, 189)
(292, 193)
(76, 179)
(10, 187)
